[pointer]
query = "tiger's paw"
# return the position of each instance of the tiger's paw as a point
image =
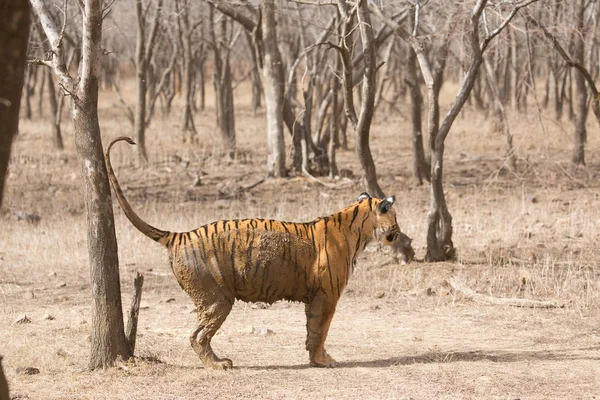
(324, 361)
(219, 364)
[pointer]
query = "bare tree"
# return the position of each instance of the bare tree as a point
(144, 49)
(185, 29)
(14, 32)
(439, 232)
(222, 42)
(581, 77)
(362, 122)
(273, 84)
(108, 340)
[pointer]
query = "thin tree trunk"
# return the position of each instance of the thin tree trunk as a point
(40, 104)
(28, 90)
(499, 109)
(273, 87)
(335, 122)
(514, 76)
(420, 165)
(580, 88)
(141, 72)
(222, 82)
(57, 139)
(187, 79)
(256, 83)
(363, 127)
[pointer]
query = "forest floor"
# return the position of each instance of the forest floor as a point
(400, 331)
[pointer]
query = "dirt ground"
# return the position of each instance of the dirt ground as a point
(400, 331)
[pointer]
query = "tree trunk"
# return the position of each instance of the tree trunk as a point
(14, 31)
(421, 167)
(28, 89)
(40, 104)
(363, 127)
(499, 110)
(222, 82)
(580, 88)
(273, 87)
(141, 72)
(108, 337)
(55, 112)
(187, 74)
(255, 76)
(335, 121)
(514, 69)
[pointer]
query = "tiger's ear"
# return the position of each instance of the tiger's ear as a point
(386, 204)
(363, 196)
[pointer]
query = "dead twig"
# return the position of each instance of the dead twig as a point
(134, 311)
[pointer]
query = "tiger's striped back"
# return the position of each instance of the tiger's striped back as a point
(268, 260)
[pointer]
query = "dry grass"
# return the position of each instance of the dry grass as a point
(399, 332)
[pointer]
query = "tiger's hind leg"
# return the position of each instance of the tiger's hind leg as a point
(319, 313)
(210, 319)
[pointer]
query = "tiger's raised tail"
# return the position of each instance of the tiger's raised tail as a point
(153, 233)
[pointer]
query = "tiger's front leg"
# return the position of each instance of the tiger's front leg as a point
(319, 313)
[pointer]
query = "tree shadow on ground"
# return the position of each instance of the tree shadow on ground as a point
(442, 357)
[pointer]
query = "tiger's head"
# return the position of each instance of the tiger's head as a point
(385, 226)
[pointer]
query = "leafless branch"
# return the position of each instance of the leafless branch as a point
(55, 40)
(573, 64)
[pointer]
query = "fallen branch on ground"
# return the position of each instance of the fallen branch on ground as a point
(469, 293)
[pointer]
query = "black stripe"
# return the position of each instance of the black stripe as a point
(236, 224)
(205, 227)
(354, 215)
(196, 263)
(187, 257)
(340, 219)
(314, 242)
(362, 225)
(370, 203)
(327, 255)
(285, 228)
(249, 257)
(234, 272)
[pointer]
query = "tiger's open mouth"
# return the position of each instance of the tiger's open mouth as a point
(390, 237)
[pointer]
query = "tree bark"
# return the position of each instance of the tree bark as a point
(501, 114)
(28, 89)
(55, 111)
(187, 79)
(363, 128)
(421, 167)
(580, 88)
(141, 72)
(14, 33)
(273, 85)
(222, 82)
(256, 83)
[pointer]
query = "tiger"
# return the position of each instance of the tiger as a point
(264, 260)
